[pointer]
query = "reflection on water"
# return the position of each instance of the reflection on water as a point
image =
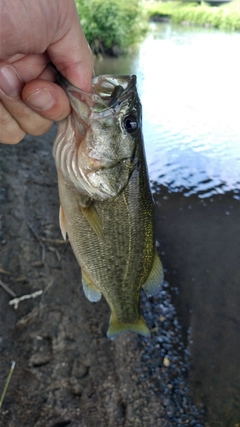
(188, 81)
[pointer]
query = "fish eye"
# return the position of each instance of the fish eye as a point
(130, 124)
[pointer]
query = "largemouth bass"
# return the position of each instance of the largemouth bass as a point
(106, 206)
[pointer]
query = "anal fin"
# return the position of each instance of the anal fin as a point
(155, 279)
(90, 290)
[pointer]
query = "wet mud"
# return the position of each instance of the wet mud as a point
(200, 249)
(67, 372)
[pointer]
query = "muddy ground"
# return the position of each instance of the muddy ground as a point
(200, 241)
(67, 372)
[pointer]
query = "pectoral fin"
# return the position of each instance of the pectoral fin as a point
(116, 328)
(155, 278)
(90, 290)
(93, 219)
(62, 222)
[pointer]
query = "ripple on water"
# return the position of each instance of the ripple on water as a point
(192, 166)
(188, 82)
(191, 105)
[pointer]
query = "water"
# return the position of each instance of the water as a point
(189, 84)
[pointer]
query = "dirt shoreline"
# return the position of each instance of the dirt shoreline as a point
(67, 372)
(200, 249)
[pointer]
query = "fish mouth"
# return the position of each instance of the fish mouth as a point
(108, 91)
(114, 89)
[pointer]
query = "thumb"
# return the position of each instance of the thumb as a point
(72, 55)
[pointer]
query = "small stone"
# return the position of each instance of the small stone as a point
(79, 370)
(39, 359)
(75, 387)
(37, 264)
(166, 362)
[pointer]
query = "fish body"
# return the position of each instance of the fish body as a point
(106, 206)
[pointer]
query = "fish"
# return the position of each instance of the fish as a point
(106, 205)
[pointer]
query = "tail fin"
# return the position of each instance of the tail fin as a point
(116, 328)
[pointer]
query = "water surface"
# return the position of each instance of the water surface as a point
(189, 84)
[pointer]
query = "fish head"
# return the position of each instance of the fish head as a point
(95, 147)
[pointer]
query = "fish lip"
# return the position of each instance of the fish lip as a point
(101, 88)
(102, 92)
(100, 100)
(129, 79)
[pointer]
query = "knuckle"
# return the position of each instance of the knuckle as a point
(24, 118)
(10, 132)
(38, 126)
(11, 137)
(6, 120)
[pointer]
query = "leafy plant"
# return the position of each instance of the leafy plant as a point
(112, 26)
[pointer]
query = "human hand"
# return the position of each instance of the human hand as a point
(31, 35)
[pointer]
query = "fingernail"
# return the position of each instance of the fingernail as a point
(42, 99)
(10, 82)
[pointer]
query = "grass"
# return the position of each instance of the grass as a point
(7, 383)
(225, 17)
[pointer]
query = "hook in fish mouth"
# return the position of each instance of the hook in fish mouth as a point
(114, 89)
(108, 90)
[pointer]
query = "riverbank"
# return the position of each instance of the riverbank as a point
(225, 17)
(67, 371)
(199, 246)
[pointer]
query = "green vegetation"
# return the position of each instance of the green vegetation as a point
(112, 26)
(225, 17)
(161, 8)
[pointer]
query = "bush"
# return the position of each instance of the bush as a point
(225, 17)
(112, 26)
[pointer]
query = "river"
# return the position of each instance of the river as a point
(189, 84)
(188, 81)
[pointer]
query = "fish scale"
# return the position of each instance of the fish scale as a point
(107, 208)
